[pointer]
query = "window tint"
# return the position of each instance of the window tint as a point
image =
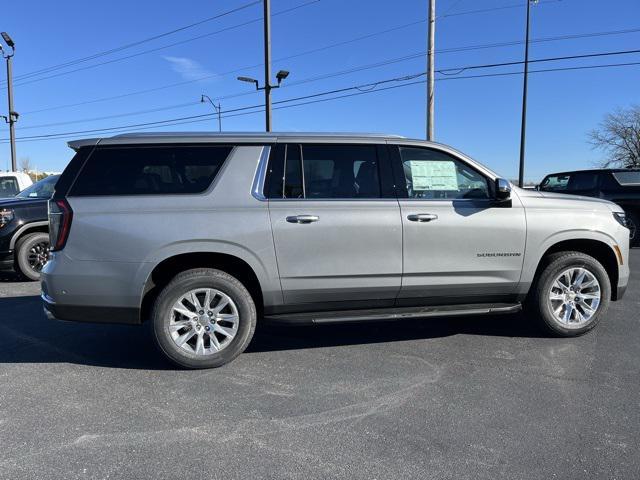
(631, 177)
(8, 187)
(293, 173)
(582, 181)
(555, 182)
(152, 170)
(340, 171)
(431, 174)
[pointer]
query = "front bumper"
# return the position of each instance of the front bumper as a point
(7, 261)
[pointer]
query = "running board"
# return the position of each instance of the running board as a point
(396, 313)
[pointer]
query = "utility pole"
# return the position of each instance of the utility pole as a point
(280, 76)
(431, 35)
(523, 126)
(217, 108)
(13, 116)
(267, 64)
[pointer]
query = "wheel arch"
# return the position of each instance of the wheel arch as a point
(598, 249)
(26, 229)
(169, 267)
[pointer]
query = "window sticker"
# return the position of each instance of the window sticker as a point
(434, 175)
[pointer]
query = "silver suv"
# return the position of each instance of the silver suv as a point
(200, 236)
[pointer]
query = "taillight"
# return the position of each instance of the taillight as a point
(60, 216)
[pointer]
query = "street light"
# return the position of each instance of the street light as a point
(280, 76)
(7, 39)
(217, 108)
(13, 116)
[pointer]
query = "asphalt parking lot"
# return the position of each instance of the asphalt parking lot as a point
(481, 397)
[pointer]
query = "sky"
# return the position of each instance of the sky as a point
(324, 44)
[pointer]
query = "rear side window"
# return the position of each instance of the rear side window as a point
(324, 171)
(150, 170)
(582, 181)
(340, 171)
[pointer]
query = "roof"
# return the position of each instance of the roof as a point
(595, 170)
(235, 137)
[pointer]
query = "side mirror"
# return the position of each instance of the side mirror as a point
(503, 189)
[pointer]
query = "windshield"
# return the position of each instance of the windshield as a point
(42, 189)
(8, 187)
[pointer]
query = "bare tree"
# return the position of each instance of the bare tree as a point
(618, 136)
(25, 164)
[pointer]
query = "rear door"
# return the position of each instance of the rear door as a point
(336, 225)
(460, 245)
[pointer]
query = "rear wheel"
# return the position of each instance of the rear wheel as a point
(32, 252)
(203, 318)
(571, 294)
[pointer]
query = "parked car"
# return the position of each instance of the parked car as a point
(200, 235)
(24, 229)
(621, 186)
(11, 183)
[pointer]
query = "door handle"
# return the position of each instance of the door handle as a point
(303, 218)
(422, 217)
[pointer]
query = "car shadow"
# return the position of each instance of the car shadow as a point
(27, 336)
(10, 277)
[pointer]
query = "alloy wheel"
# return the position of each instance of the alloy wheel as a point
(204, 321)
(574, 297)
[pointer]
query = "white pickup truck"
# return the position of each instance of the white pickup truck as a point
(11, 183)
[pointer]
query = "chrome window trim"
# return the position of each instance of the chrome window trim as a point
(257, 189)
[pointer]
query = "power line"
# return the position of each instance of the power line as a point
(163, 47)
(42, 71)
(457, 71)
(136, 43)
(372, 87)
(406, 57)
(493, 9)
(108, 117)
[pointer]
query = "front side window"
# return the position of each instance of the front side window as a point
(435, 175)
(8, 187)
(153, 170)
(555, 183)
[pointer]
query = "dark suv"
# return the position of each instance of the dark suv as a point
(24, 227)
(621, 186)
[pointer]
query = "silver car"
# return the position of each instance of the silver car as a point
(201, 236)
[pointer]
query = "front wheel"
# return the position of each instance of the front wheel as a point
(203, 318)
(571, 294)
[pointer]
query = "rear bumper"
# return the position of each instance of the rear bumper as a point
(89, 314)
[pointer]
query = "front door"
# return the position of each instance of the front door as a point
(460, 245)
(337, 231)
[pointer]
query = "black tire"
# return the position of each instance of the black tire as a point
(633, 221)
(539, 306)
(29, 254)
(196, 279)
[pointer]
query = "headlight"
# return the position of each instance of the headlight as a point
(6, 215)
(621, 218)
